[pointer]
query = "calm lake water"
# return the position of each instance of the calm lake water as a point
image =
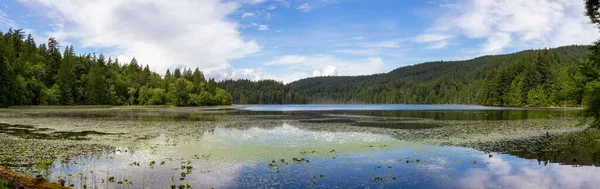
(288, 156)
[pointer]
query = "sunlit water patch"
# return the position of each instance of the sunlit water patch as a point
(290, 157)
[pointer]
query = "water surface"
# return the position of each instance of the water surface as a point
(289, 157)
(300, 146)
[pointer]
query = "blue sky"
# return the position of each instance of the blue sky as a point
(286, 40)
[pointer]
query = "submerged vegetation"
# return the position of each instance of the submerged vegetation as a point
(41, 75)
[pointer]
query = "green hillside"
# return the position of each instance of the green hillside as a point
(546, 77)
(484, 80)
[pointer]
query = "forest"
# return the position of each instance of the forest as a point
(535, 78)
(42, 75)
(541, 78)
(262, 92)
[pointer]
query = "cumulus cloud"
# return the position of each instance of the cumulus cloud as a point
(271, 7)
(295, 67)
(326, 71)
(513, 23)
(304, 7)
(198, 34)
(228, 72)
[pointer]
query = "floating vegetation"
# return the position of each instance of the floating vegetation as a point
(185, 151)
(31, 132)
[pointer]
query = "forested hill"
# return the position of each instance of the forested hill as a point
(33, 74)
(546, 77)
(262, 92)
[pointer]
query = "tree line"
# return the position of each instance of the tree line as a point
(262, 92)
(546, 77)
(33, 74)
(534, 78)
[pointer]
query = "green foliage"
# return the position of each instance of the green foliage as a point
(50, 96)
(590, 69)
(538, 97)
(591, 10)
(66, 77)
(500, 80)
(7, 83)
(261, 92)
(31, 75)
(590, 76)
(4, 183)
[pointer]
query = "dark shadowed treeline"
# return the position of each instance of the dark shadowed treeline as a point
(262, 92)
(42, 75)
(545, 77)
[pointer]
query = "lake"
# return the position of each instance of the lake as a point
(304, 146)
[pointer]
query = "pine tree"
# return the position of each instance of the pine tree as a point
(53, 57)
(211, 87)
(7, 83)
(66, 78)
(177, 73)
(145, 76)
(95, 86)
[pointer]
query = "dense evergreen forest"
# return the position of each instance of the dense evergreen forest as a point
(546, 77)
(262, 92)
(42, 75)
(536, 78)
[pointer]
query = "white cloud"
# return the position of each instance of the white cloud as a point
(228, 72)
(271, 7)
(263, 27)
(198, 34)
(326, 71)
(247, 14)
(496, 42)
(304, 7)
(514, 23)
(294, 67)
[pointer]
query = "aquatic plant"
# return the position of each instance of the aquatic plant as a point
(4, 183)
